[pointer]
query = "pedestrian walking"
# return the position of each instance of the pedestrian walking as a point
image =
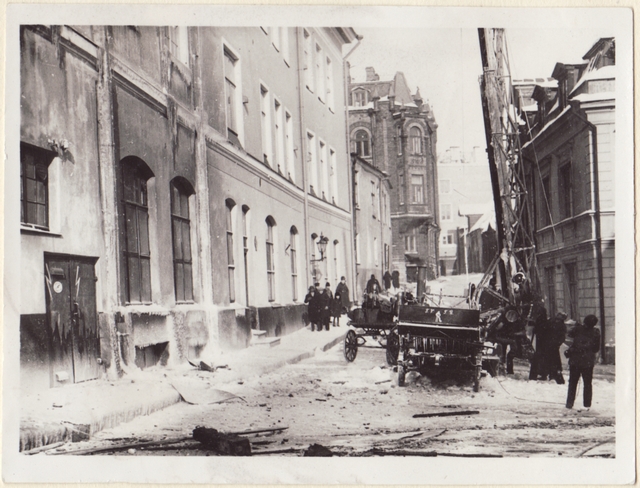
(343, 290)
(313, 310)
(324, 307)
(582, 359)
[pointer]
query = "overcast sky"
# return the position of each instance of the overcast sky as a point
(446, 64)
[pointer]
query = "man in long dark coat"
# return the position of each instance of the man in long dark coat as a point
(582, 359)
(343, 290)
(324, 307)
(313, 310)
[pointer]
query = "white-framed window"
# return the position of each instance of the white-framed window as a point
(334, 176)
(280, 155)
(308, 60)
(312, 159)
(233, 93)
(179, 43)
(359, 97)
(271, 266)
(330, 86)
(410, 243)
(324, 171)
(417, 189)
(231, 265)
(376, 251)
(320, 76)
(445, 211)
(445, 186)
(267, 141)
(449, 238)
(415, 135)
(290, 155)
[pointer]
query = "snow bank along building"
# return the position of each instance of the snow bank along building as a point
(570, 158)
(395, 132)
(175, 182)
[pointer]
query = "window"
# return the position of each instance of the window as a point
(445, 186)
(324, 171)
(233, 102)
(445, 211)
(417, 189)
(373, 199)
(571, 280)
(308, 60)
(293, 236)
(410, 243)
(271, 267)
(386, 257)
(34, 187)
(359, 98)
(401, 188)
(375, 251)
(415, 134)
(550, 279)
(362, 144)
(290, 156)
(179, 43)
(245, 246)
(545, 200)
(135, 213)
(181, 231)
(313, 163)
(565, 191)
(231, 265)
(329, 73)
(267, 143)
(334, 176)
(451, 237)
(320, 76)
(280, 142)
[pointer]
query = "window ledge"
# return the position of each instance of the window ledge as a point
(275, 305)
(38, 232)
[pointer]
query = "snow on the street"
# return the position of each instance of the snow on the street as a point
(357, 409)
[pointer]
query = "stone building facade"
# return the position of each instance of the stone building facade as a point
(396, 132)
(172, 179)
(570, 162)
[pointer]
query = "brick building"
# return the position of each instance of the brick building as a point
(570, 162)
(174, 182)
(395, 131)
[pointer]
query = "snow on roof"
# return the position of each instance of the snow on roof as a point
(483, 223)
(604, 73)
(384, 99)
(548, 84)
(547, 125)
(595, 97)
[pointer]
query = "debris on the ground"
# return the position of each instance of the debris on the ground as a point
(225, 444)
(383, 381)
(317, 450)
(446, 414)
(321, 399)
(36, 450)
(194, 392)
(122, 447)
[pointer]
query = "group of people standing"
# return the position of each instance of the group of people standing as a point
(323, 305)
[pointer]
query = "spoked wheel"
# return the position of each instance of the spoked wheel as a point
(350, 346)
(402, 373)
(393, 348)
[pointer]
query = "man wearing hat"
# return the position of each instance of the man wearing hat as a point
(582, 358)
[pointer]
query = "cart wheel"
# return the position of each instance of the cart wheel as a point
(401, 375)
(350, 346)
(393, 349)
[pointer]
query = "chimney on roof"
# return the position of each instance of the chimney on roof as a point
(371, 74)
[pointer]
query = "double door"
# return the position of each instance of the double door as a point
(70, 283)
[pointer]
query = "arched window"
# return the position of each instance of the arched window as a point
(181, 190)
(231, 265)
(135, 245)
(415, 136)
(362, 143)
(293, 237)
(271, 268)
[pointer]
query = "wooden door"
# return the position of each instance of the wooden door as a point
(72, 318)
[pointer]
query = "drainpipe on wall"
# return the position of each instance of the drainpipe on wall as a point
(593, 140)
(303, 153)
(350, 174)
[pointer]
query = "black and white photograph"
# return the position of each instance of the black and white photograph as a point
(241, 237)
